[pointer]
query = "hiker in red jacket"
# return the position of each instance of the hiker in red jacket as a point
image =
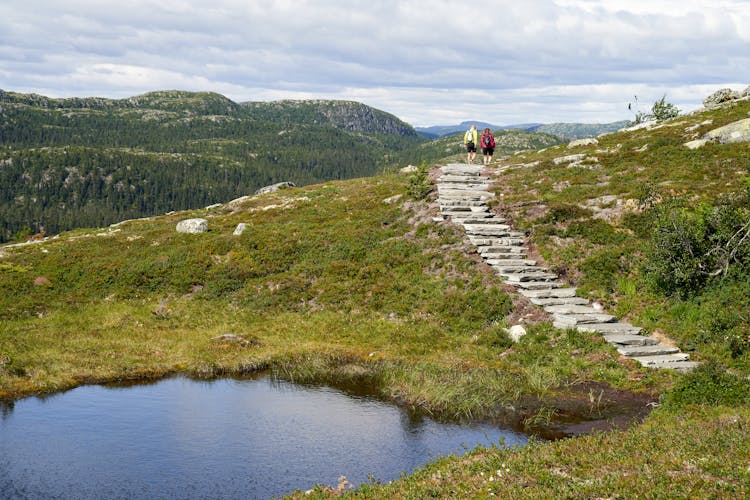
(488, 146)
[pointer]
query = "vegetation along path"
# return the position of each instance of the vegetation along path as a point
(463, 192)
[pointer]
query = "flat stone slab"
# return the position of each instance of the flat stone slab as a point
(462, 203)
(511, 262)
(646, 350)
(679, 366)
(553, 301)
(611, 328)
(571, 309)
(549, 293)
(654, 361)
(541, 285)
(628, 339)
(488, 221)
(581, 319)
(518, 277)
(496, 230)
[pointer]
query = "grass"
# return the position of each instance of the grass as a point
(329, 281)
(353, 284)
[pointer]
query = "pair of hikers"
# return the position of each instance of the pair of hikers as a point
(487, 143)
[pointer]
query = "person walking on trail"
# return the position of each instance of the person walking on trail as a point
(470, 141)
(488, 145)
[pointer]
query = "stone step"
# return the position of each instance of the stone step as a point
(519, 277)
(471, 215)
(646, 350)
(624, 338)
(679, 366)
(456, 177)
(459, 203)
(490, 221)
(610, 328)
(572, 320)
(502, 263)
(503, 257)
(469, 194)
(479, 241)
(539, 285)
(554, 301)
(508, 270)
(572, 309)
(549, 293)
(662, 360)
(487, 229)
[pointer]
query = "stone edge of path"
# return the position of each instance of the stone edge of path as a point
(462, 196)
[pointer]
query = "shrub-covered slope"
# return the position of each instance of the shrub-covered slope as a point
(653, 229)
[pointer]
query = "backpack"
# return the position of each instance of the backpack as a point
(469, 135)
(489, 141)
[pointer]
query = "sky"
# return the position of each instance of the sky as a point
(429, 62)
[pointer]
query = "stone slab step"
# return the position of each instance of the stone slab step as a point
(549, 293)
(462, 177)
(554, 301)
(519, 277)
(611, 328)
(500, 263)
(646, 350)
(539, 285)
(572, 309)
(498, 251)
(680, 366)
(487, 229)
(489, 221)
(572, 320)
(619, 339)
(504, 257)
(462, 203)
(479, 241)
(660, 361)
(506, 270)
(469, 217)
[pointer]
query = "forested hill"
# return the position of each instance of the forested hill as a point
(349, 115)
(75, 162)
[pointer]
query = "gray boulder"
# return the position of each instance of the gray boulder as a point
(241, 227)
(589, 141)
(192, 226)
(719, 97)
(738, 131)
(275, 187)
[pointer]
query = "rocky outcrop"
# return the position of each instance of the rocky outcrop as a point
(738, 131)
(723, 96)
(275, 187)
(192, 226)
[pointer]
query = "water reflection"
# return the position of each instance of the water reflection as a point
(227, 438)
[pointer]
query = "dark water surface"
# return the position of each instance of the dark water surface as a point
(227, 438)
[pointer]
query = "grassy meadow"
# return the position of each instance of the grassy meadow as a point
(353, 282)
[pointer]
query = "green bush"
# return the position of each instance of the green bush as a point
(709, 384)
(596, 231)
(691, 246)
(419, 185)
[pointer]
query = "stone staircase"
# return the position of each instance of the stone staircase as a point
(463, 192)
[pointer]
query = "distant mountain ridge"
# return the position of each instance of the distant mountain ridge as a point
(562, 130)
(348, 115)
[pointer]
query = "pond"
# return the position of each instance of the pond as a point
(226, 438)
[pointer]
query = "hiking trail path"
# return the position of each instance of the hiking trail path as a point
(463, 192)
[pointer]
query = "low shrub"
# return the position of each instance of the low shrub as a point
(708, 384)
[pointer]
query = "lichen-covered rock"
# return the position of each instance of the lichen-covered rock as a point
(589, 141)
(241, 227)
(192, 226)
(409, 169)
(568, 159)
(275, 187)
(738, 131)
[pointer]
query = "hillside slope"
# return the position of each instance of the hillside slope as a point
(83, 162)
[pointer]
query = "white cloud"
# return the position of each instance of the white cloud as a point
(426, 61)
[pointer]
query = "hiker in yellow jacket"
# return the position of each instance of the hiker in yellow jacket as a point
(470, 142)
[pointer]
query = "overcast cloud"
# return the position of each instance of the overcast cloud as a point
(427, 61)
